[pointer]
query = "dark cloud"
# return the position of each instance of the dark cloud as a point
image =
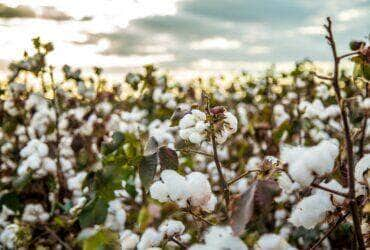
(272, 24)
(19, 11)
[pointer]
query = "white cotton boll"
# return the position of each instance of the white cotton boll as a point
(195, 137)
(333, 185)
(150, 238)
(221, 136)
(365, 104)
(305, 161)
(286, 184)
(311, 210)
(193, 127)
(187, 121)
(159, 191)
(219, 238)
(49, 165)
(211, 204)
(34, 213)
(362, 167)
(301, 174)
(10, 108)
(116, 217)
(272, 242)
(104, 107)
(177, 186)
(75, 183)
(200, 189)
(171, 228)
(8, 236)
(79, 203)
(128, 240)
(231, 122)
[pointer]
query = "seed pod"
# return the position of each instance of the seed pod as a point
(356, 45)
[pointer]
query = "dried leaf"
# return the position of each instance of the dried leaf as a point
(151, 146)
(147, 169)
(258, 196)
(243, 210)
(168, 158)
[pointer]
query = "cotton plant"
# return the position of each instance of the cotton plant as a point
(244, 163)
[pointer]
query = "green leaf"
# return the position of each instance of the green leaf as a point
(99, 240)
(93, 213)
(168, 158)
(361, 70)
(147, 169)
(12, 201)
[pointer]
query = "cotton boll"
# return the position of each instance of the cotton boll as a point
(333, 185)
(286, 184)
(231, 123)
(128, 240)
(272, 242)
(218, 238)
(8, 236)
(116, 216)
(177, 186)
(311, 210)
(300, 174)
(211, 204)
(171, 228)
(304, 162)
(193, 126)
(75, 183)
(362, 169)
(199, 187)
(150, 238)
(34, 213)
(159, 191)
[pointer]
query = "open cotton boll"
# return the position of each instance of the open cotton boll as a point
(273, 242)
(199, 188)
(193, 126)
(178, 190)
(34, 213)
(150, 238)
(8, 237)
(362, 169)
(311, 210)
(286, 184)
(300, 173)
(159, 191)
(333, 185)
(194, 189)
(172, 227)
(128, 240)
(116, 216)
(219, 238)
(305, 162)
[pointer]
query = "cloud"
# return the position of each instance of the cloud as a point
(215, 43)
(258, 50)
(311, 30)
(348, 15)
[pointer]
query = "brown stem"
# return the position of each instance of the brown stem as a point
(364, 126)
(232, 181)
(348, 54)
(349, 146)
(331, 229)
(60, 176)
(194, 151)
(323, 77)
(56, 237)
(182, 246)
(199, 217)
(345, 195)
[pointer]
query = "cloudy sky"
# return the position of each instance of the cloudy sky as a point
(198, 35)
